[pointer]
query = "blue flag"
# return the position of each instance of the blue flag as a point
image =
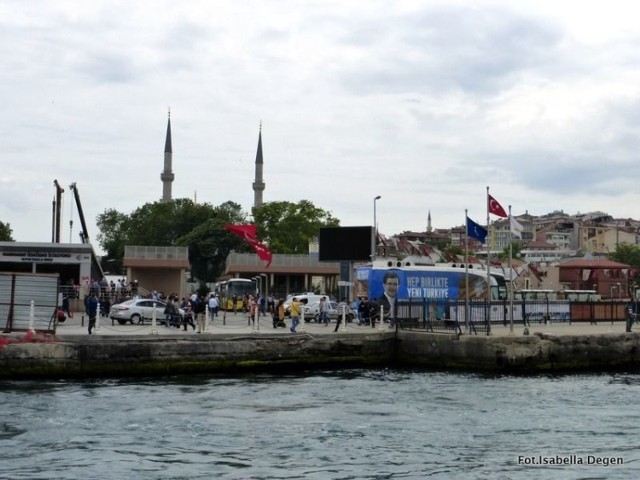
(476, 231)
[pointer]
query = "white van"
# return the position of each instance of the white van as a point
(309, 297)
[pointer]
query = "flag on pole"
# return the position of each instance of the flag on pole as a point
(516, 227)
(496, 208)
(476, 231)
(248, 232)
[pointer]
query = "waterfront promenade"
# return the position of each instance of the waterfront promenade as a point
(231, 344)
(236, 323)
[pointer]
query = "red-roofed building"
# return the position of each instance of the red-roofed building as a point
(608, 278)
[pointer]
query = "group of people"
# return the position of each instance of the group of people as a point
(297, 305)
(112, 290)
(195, 310)
(368, 311)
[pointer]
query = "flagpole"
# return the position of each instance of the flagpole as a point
(466, 271)
(510, 291)
(487, 307)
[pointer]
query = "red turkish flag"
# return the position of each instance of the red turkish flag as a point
(248, 232)
(496, 208)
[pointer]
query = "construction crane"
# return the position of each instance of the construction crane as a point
(57, 208)
(84, 235)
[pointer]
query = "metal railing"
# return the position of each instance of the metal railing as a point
(451, 316)
(156, 253)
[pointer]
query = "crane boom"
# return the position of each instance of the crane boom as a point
(84, 235)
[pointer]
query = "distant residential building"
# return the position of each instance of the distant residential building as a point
(543, 252)
(603, 239)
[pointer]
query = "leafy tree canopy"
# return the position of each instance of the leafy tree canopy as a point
(180, 222)
(626, 253)
(289, 227)
(516, 249)
(629, 254)
(6, 233)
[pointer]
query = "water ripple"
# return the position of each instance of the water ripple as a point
(374, 424)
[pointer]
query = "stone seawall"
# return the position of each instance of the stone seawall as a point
(534, 353)
(113, 356)
(84, 356)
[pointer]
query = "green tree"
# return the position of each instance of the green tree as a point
(112, 237)
(289, 227)
(516, 249)
(629, 254)
(6, 233)
(210, 243)
(181, 222)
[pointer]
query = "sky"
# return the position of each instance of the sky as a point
(425, 103)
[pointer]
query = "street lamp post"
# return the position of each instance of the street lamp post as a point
(250, 317)
(256, 312)
(265, 285)
(375, 230)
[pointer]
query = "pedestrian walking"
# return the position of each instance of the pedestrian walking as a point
(91, 303)
(324, 311)
(295, 309)
(342, 312)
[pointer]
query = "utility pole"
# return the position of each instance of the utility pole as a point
(57, 210)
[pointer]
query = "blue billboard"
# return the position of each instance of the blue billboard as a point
(431, 283)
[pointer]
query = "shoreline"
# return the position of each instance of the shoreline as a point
(232, 347)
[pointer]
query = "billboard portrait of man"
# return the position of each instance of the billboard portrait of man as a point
(389, 298)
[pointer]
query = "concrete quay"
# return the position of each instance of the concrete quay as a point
(230, 345)
(234, 323)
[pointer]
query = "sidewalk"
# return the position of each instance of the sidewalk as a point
(231, 323)
(234, 323)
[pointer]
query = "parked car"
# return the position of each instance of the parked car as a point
(312, 312)
(139, 311)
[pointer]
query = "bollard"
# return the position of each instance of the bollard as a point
(97, 329)
(301, 327)
(154, 330)
(381, 319)
(256, 321)
(32, 314)
(344, 318)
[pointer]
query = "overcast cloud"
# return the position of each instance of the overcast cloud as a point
(425, 103)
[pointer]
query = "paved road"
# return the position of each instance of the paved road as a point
(237, 323)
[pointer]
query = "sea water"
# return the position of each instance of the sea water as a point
(350, 424)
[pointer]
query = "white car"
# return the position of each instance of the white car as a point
(312, 312)
(139, 311)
